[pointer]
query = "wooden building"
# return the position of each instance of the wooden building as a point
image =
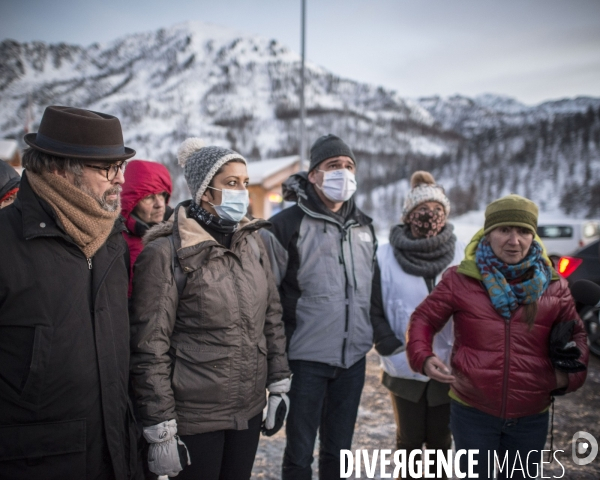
(266, 177)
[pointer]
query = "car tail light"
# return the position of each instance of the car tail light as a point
(567, 265)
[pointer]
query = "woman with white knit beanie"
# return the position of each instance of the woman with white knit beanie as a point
(407, 269)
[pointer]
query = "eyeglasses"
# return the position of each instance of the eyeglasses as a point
(111, 171)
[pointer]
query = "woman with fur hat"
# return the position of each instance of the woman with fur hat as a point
(407, 269)
(207, 337)
(506, 301)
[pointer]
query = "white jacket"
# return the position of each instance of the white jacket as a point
(402, 293)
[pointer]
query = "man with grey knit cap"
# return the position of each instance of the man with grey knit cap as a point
(207, 341)
(322, 252)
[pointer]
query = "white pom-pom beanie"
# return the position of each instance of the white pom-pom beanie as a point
(424, 189)
(200, 164)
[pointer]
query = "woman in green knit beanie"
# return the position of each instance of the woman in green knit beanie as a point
(505, 299)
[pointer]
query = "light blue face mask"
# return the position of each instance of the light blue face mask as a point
(234, 204)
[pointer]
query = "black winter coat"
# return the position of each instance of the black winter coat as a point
(64, 351)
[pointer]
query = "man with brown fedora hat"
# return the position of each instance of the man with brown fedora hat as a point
(64, 327)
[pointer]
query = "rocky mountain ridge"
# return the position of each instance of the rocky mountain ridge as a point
(241, 91)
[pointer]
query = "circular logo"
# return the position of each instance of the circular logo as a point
(584, 443)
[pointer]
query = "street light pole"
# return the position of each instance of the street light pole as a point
(302, 106)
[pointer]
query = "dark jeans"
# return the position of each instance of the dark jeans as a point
(324, 398)
(222, 455)
(418, 424)
(473, 429)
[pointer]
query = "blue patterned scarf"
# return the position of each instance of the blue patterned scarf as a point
(502, 281)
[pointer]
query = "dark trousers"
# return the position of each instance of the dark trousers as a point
(418, 424)
(222, 455)
(473, 429)
(326, 399)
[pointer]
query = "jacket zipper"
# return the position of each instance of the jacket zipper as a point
(347, 299)
(89, 260)
(506, 365)
(344, 231)
(352, 256)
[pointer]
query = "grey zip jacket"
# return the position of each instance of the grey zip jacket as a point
(324, 271)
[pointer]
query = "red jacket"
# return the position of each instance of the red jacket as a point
(142, 178)
(501, 367)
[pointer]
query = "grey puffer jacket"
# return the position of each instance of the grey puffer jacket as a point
(324, 270)
(205, 358)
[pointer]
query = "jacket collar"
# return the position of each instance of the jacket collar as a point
(194, 243)
(188, 235)
(38, 217)
(469, 268)
(294, 190)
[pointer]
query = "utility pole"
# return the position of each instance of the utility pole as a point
(303, 160)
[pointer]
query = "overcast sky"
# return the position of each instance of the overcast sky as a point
(533, 50)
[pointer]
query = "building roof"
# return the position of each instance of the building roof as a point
(7, 149)
(263, 169)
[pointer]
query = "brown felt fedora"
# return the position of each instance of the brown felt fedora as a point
(77, 133)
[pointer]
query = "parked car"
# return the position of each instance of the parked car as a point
(564, 237)
(585, 264)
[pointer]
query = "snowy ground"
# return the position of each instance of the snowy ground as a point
(375, 427)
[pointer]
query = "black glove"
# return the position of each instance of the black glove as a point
(389, 345)
(564, 353)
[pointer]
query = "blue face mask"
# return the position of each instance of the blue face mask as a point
(234, 204)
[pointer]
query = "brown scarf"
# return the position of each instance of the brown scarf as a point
(80, 216)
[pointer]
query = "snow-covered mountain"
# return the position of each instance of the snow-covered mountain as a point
(548, 152)
(472, 116)
(241, 91)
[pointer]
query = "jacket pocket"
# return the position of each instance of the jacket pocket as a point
(43, 450)
(551, 378)
(42, 345)
(24, 356)
(262, 367)
(201, 375)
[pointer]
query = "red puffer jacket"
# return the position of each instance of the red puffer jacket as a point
(501, 367)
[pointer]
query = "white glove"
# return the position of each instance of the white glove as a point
(167, 454)
(282, 386)
(278, 406)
